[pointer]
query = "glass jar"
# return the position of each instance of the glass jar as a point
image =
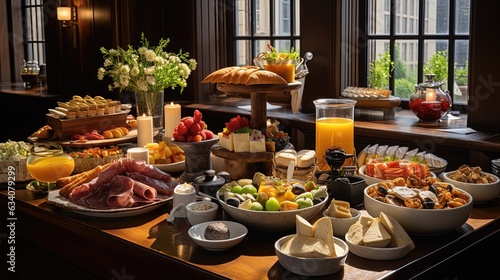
(429, 102)
(30, 72)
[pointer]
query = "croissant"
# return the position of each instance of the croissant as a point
(245, 75)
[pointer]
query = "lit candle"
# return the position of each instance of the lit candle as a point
(144, 130)
(139, 153)
(430, 94)
(172, 118)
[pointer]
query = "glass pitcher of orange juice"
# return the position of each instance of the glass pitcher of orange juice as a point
(334, 128)
(48, 162)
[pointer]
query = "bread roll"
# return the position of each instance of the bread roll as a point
(306, 158)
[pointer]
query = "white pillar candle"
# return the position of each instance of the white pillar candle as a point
(139, 153)
(144, 130)
(172, 118)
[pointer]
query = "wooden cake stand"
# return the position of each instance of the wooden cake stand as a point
(244, 165)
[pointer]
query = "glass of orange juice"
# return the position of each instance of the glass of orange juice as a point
(334, 128)
(48, 162)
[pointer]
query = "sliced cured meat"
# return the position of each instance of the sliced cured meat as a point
(160, 186)
(144, 190)
(121, 192)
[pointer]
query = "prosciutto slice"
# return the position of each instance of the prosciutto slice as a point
(125, 183)
(117, 193)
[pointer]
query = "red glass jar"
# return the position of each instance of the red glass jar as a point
(429, 102)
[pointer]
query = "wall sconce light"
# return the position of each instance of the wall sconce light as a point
(67, 15)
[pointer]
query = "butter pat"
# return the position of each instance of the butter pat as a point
(241, 142)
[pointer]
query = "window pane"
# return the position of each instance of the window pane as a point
(243, 18)
(296, 26)
(282, 13)
(282, 45)
(460, 93)
(405, 67)
(262, 18)
(436, 60)
(260, 46)
(243, 53)
(378, 68)
(407, 18)
(462, 16)
(379, 17)
(437, 16)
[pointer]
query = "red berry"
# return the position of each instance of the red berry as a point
(209, 134)
(188, 121)
(189, 138)
(203, 135)
(197, 138)
(181, 128)
(194, 129)
(197, 116)
(203, 125)
(180, 138)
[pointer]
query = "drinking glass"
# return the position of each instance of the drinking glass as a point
(48, 162)
(334, 128)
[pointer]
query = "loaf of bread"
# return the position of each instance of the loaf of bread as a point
(244, 75)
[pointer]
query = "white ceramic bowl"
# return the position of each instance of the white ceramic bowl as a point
(420, 221)
(312, 266)
(479, 192)
(372, 253)
(237, 232)
(271, 221)
(371, 180)
(201, 211)
(341, 225)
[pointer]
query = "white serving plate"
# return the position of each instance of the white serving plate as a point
(237, 232)
(172, 167)
(58, 200)
(380, 254)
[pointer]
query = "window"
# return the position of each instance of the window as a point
(259, 22)
(33, 29)
(420, 33)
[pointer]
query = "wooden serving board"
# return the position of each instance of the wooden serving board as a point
(386, 105)
(65, 128)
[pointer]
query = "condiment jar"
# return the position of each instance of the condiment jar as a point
(429, 102)
(209, 183)
(29, 72)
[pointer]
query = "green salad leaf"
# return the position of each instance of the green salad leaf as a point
(14, 150)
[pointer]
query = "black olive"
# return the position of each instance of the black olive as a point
(382, 189)
(233, 201)
(428, 203)
(432, 188)
(317, 200)
(298, 189)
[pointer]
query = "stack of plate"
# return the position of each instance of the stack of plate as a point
(495, 166)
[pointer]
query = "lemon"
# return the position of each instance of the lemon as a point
(249, 189)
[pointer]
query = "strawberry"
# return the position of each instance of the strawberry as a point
(188, 121)
(194, 129)
(209, 134)
(181, 128)
(197, 116)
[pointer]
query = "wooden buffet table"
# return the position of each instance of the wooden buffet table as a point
(54, 243)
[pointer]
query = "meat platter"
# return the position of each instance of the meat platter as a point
(58, 200)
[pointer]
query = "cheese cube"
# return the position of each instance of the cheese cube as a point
(226, 141)
(241, 142)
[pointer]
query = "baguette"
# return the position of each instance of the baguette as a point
(83, 178)
(216, 76)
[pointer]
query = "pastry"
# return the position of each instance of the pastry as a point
(217, 231)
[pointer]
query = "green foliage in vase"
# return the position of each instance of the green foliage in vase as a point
(380, 71)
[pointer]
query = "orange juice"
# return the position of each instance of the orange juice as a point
(333, 131)
(287, 71)
(49, 169)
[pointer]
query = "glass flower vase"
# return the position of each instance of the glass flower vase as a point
(150, 104)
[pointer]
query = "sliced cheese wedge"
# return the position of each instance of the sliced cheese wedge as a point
(376, 235)
(397, 232)
(323, 230)
(306, 247)
(303, 227)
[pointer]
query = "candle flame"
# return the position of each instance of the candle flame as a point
(171, 103)
(430, 94)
